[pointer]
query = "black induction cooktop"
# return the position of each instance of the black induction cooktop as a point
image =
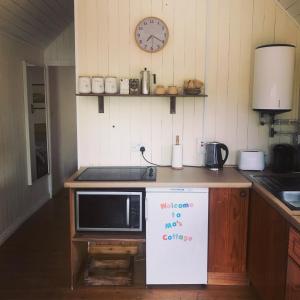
(118, 174)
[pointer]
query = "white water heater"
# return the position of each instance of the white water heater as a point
(273, 78)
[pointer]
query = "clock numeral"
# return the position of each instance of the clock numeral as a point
(158, 47)
(138, 34)
(140, 28)
(165, 34)
(145, 23)
(163, 27)
(145, 46)
(151, 48)
(151, 21)
(141, 41)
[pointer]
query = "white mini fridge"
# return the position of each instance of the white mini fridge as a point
(176, 235)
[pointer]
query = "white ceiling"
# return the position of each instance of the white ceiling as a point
(292, 7)
(37, 22)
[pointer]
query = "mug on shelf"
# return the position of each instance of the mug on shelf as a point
(172, 90)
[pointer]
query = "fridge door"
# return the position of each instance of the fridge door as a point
(176, 236)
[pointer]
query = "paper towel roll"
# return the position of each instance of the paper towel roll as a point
(177, 157)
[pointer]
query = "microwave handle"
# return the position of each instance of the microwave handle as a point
(146, 209)
(127, 212)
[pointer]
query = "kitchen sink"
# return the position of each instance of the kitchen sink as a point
(291, 198)
(286, 187)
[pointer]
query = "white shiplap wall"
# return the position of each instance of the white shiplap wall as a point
(63, 124)
(17, 199)
(212, 40)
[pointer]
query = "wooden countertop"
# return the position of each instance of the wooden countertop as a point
(229, 177)
(295, 221)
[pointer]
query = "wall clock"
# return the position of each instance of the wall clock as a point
(151, 34)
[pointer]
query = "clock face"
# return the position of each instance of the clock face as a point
(151, 34)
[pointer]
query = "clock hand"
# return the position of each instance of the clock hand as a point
(151, 36)
(157, 38)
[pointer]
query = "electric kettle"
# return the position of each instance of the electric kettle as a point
(213, 155)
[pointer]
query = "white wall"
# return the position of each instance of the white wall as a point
(212, 40)
(63, 124)
(17, 199)
(60, 57)
(61, 51)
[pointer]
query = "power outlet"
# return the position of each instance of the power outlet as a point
(200, 144)
(136, 147)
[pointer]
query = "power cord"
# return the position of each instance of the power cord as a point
(142, 150)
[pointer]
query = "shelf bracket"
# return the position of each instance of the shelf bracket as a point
(101, 104)
(172, 104)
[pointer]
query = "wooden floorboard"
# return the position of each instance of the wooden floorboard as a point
(34, 264)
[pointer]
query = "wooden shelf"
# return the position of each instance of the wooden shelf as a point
(110, 238)
(172, 98)
(141, 95)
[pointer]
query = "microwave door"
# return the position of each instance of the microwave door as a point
(102, 212)
(108, 211)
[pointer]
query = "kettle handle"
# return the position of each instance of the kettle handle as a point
(225, 148)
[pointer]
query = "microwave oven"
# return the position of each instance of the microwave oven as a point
(110, 210)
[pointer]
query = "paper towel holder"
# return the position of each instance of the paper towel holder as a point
(177, 155)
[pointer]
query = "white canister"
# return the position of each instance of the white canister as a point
(84, 84)
(124, 86)
(111, 85)
(97, 85)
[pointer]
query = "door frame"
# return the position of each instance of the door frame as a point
(25, 64)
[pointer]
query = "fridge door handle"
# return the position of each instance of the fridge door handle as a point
(127, 211)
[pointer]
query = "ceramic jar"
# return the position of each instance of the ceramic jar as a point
(84, 85)
(97, 85)
(111, 85)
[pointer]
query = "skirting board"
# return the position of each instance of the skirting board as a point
(215, 278)
(20, 220)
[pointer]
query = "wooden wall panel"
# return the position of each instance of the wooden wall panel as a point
(212, 40)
